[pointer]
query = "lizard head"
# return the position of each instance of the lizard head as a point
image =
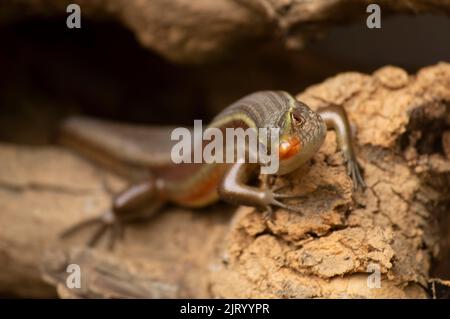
(302, 132)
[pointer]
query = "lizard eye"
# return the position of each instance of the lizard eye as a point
(297, 119)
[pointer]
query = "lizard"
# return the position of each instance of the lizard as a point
(302, 132)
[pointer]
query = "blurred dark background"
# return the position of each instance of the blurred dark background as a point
(49, 71)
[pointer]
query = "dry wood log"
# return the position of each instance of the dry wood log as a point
(401, 125)
(399, 122)
(179, 34)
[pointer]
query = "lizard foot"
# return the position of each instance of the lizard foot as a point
(274, 201)
(354, 171)
(105, 222)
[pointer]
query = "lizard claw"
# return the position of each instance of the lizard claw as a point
(268, 213)
(106, 222)
(277, 203)
(354, 171)
(286, 196)
(274, 202)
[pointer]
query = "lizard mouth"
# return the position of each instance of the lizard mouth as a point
(289, 147)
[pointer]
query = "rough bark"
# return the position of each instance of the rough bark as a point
(180, 34)
(399, 122)
(401, 125)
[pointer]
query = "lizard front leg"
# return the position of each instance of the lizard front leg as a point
(234, 189)
(335, 118)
